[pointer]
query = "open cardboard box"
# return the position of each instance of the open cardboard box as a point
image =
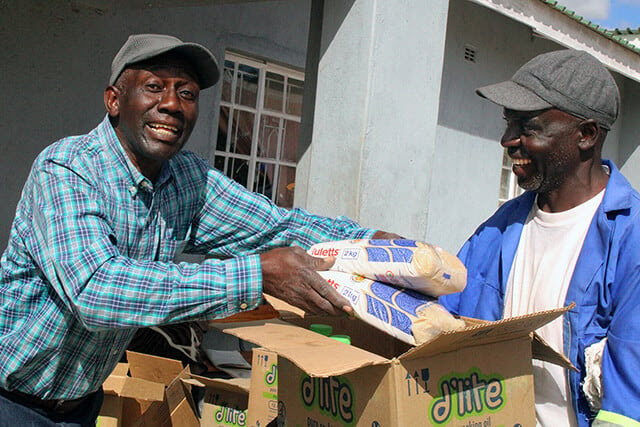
(137, 386)
(481, 375)
(240, 401)
(151, 391)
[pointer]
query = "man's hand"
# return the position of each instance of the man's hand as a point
(384, 235)
(290, 274)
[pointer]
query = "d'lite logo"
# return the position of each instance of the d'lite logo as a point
(333, 396)
(466, 395)
(271, 377)
(231, 416)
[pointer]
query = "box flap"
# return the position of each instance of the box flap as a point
(542, 351)
(135, 388)
(286, 310)
(121, 369)
(315, 354)
(237, 385)
(153, 368)
(485, 333)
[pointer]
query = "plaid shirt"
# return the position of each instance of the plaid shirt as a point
(91, 251)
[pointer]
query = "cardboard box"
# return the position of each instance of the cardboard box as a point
(478, 376)
(151, 391)
(134, 386)
(243, 402)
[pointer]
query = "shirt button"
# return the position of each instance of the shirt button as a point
(243, 306)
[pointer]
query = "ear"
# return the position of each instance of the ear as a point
(112, 101)
(588, 134)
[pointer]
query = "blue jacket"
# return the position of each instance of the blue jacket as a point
(605, 287)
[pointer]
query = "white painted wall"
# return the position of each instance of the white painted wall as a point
(56, 61)
(378, 84)
(629, 133)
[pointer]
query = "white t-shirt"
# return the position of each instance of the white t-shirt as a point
(540, 275)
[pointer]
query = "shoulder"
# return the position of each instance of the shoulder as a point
(186, 165)
(70, 152)
(512, 211)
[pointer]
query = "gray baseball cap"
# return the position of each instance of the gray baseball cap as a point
(570, 80)
(139, 47)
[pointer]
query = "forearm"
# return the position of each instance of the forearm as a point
(124, 293)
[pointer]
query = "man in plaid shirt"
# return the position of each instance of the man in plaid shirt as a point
(100, 220)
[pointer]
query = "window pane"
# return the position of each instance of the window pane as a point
(294, 97)
(290, 141)
(268, 143)
(247, 86)
(218, 163)
(227, 80)
(241, 132)
(504, 185)
(223, 129)
(286, 186)
(238, 170)
(274, 91)
(264, 178)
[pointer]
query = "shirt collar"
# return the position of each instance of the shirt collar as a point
(618, 192)
(137, 180)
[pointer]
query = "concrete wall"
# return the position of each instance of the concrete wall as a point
(629, 150)
(56, 61)
(375, 113)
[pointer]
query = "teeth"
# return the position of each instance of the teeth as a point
(164, 128)
(521, 162)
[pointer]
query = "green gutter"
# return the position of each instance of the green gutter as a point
(610, 34)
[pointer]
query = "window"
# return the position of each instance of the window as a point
(259, 126)
(509, 187)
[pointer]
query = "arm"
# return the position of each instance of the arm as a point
(621, 356)
(234, 222)
(73, 244)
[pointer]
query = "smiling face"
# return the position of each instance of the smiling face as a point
(543, 146)
(153, 107)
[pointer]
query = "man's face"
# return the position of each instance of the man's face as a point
(543, 147)
(156, 109)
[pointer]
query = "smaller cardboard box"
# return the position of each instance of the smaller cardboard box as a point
(481, 375)
(242, 402)
(135, 386)
(151, 391)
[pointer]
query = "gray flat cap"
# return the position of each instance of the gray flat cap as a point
(570, 80)
(139, 47)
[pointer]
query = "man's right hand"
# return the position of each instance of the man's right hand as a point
(291, 275)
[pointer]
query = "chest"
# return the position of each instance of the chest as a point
(151, 225)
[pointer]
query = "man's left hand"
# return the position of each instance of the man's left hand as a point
(385, 235)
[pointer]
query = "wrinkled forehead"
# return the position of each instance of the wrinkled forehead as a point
(171, 61)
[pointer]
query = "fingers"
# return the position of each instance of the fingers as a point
(331, 301)
(385, 235)
(290, 274)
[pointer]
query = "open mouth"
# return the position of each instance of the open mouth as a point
(164, 131)
(520, 162)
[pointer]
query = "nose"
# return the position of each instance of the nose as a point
(169, 102)
(511, 136)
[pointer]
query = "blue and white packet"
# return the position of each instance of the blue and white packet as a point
(407, 315)
(411, 264)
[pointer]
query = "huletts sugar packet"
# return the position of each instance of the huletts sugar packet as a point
(410, 316)
(411, 264)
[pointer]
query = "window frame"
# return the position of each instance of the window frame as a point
(260, 111)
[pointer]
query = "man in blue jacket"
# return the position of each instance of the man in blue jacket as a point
(573, 236)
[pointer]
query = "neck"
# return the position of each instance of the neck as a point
(575, 190)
